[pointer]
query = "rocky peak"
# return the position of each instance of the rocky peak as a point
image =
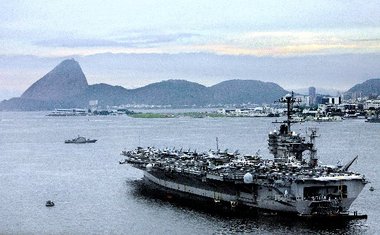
(65, 80)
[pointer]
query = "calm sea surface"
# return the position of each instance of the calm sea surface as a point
(95, 195)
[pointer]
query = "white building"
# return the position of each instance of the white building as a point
(303, 100)
(375, 104)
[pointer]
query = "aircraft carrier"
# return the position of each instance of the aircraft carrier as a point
(291, 182)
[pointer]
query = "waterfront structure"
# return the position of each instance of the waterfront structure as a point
(69, 112)
(312, 95)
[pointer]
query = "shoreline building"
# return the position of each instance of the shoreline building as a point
(312, 95)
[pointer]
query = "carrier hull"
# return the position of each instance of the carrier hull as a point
(259, 196)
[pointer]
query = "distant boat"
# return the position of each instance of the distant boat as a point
(80, 140)
(328, 119)
(373, 120)
(49, 203)
(354, 116)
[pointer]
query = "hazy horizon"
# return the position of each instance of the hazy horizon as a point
(326, 44)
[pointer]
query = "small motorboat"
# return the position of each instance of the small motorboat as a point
(371, 189)
(80, 140)
(49, 203)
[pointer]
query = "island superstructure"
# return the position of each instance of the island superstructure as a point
(290, 182)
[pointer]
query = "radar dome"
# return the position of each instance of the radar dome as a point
(149, 167)
(248, 178)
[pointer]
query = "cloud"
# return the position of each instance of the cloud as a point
(298, 43)
(80, 42)
(368, 40)
(155, 39)
(257, 43)
(132, 41)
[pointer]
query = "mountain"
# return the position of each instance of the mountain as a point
(57, 89)
(65, 80)
(66, 87)
(21, 104)
(367, 88)
(170, 92)
(246, 91)
(106, 95)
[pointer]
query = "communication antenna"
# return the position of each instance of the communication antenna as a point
(289, 100)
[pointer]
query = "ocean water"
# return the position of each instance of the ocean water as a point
(94, 194)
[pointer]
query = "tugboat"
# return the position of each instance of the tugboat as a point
(290, 183)
(49, 203)
(80, 140)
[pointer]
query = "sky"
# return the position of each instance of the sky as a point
(324, 43)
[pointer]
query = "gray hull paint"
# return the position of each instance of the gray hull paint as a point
(269, 197)
(233, 196)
